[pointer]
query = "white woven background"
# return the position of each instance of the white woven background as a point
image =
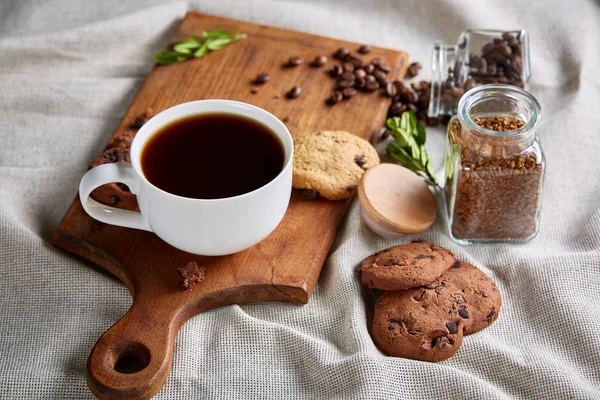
(68, 72)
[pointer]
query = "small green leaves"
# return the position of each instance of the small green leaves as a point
(409, 146)
(197, 46)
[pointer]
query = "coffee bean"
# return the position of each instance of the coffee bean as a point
(364, 49)
(360, 73)
(390, 89)
(353, 55)
(371, 85)
(349, 92)
(376, 61)
(451, 326)
(369, 68)
(413, 69)
(335, 97)
(262, 79)
(396, 109)
(319, 61)
(463, 313)
(341, 53)
(348, 67)
(410, 96)
(385, 68)
(294, 92)
(360, 83)
(348, 76)
(381, 78)
(370, 78)
(360, 160)
(412, 107)
(345, 83)
(294, 61)
(310, 194)
(336, 71)
(357, 62)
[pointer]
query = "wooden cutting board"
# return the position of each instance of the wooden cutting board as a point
(133, 358)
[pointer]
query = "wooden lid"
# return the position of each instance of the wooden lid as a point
(397, 199)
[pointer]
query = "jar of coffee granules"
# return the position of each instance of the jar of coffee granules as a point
(480, 57)
(494, 166)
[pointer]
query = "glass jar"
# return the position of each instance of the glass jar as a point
(494, 166)
(479, 57)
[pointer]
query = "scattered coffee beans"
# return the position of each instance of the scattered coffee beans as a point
(496, 196)
(364, 49)
(294, 61)
(413, 70)
(294, 92)
(319, 61)
(142, 119)
(261, 79)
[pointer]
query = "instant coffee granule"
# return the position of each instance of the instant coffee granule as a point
(497, 195)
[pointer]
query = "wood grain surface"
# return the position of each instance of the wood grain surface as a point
(133, 358)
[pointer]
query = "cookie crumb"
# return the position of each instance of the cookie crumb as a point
(191, 275)
(142, 119)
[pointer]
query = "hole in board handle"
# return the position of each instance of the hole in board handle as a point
(131, 358)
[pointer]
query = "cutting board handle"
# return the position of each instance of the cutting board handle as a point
(133, 358)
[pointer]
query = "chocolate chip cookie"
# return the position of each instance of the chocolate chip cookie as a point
(421, 323)
(483, 297)
(405, 266)
(331, 163)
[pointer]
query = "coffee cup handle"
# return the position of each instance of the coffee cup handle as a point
(109, 173)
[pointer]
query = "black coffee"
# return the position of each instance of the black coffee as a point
(212, 156)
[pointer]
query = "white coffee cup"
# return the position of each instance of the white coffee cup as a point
(206, 227)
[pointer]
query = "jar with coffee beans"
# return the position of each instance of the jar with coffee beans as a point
(494, 166)
(480, 57)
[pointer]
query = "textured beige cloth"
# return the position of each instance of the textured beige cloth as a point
(68, 71)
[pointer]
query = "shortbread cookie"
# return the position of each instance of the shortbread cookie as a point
(405, 266)
(332, 163)
(421, 323)
(482, 295)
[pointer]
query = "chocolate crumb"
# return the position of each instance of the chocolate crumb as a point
(310, 194)
(191, 274)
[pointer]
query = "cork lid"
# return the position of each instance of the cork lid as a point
(396, 199)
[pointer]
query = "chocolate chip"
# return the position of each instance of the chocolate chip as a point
(319, 61)
(123, 187)
(294, 92)
(360, 160)
(451, 326)
(440, 342)
(349, 92)
(414, 332)
(491, 315)
(350, 188)
(388, 264)
(335, 97)
(310, 194)
(261, 79)
(430, 286)
(463, 313)
(390, 328)
(421, 257)
(364, 49)
(294, 61)
(456, 264)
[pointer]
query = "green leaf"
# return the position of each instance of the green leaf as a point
(421, 136)
(239, 36)
(186, 46)
(216, 44)
(215, 34)
(202, 51)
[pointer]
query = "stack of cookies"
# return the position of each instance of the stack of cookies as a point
(429, 302)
